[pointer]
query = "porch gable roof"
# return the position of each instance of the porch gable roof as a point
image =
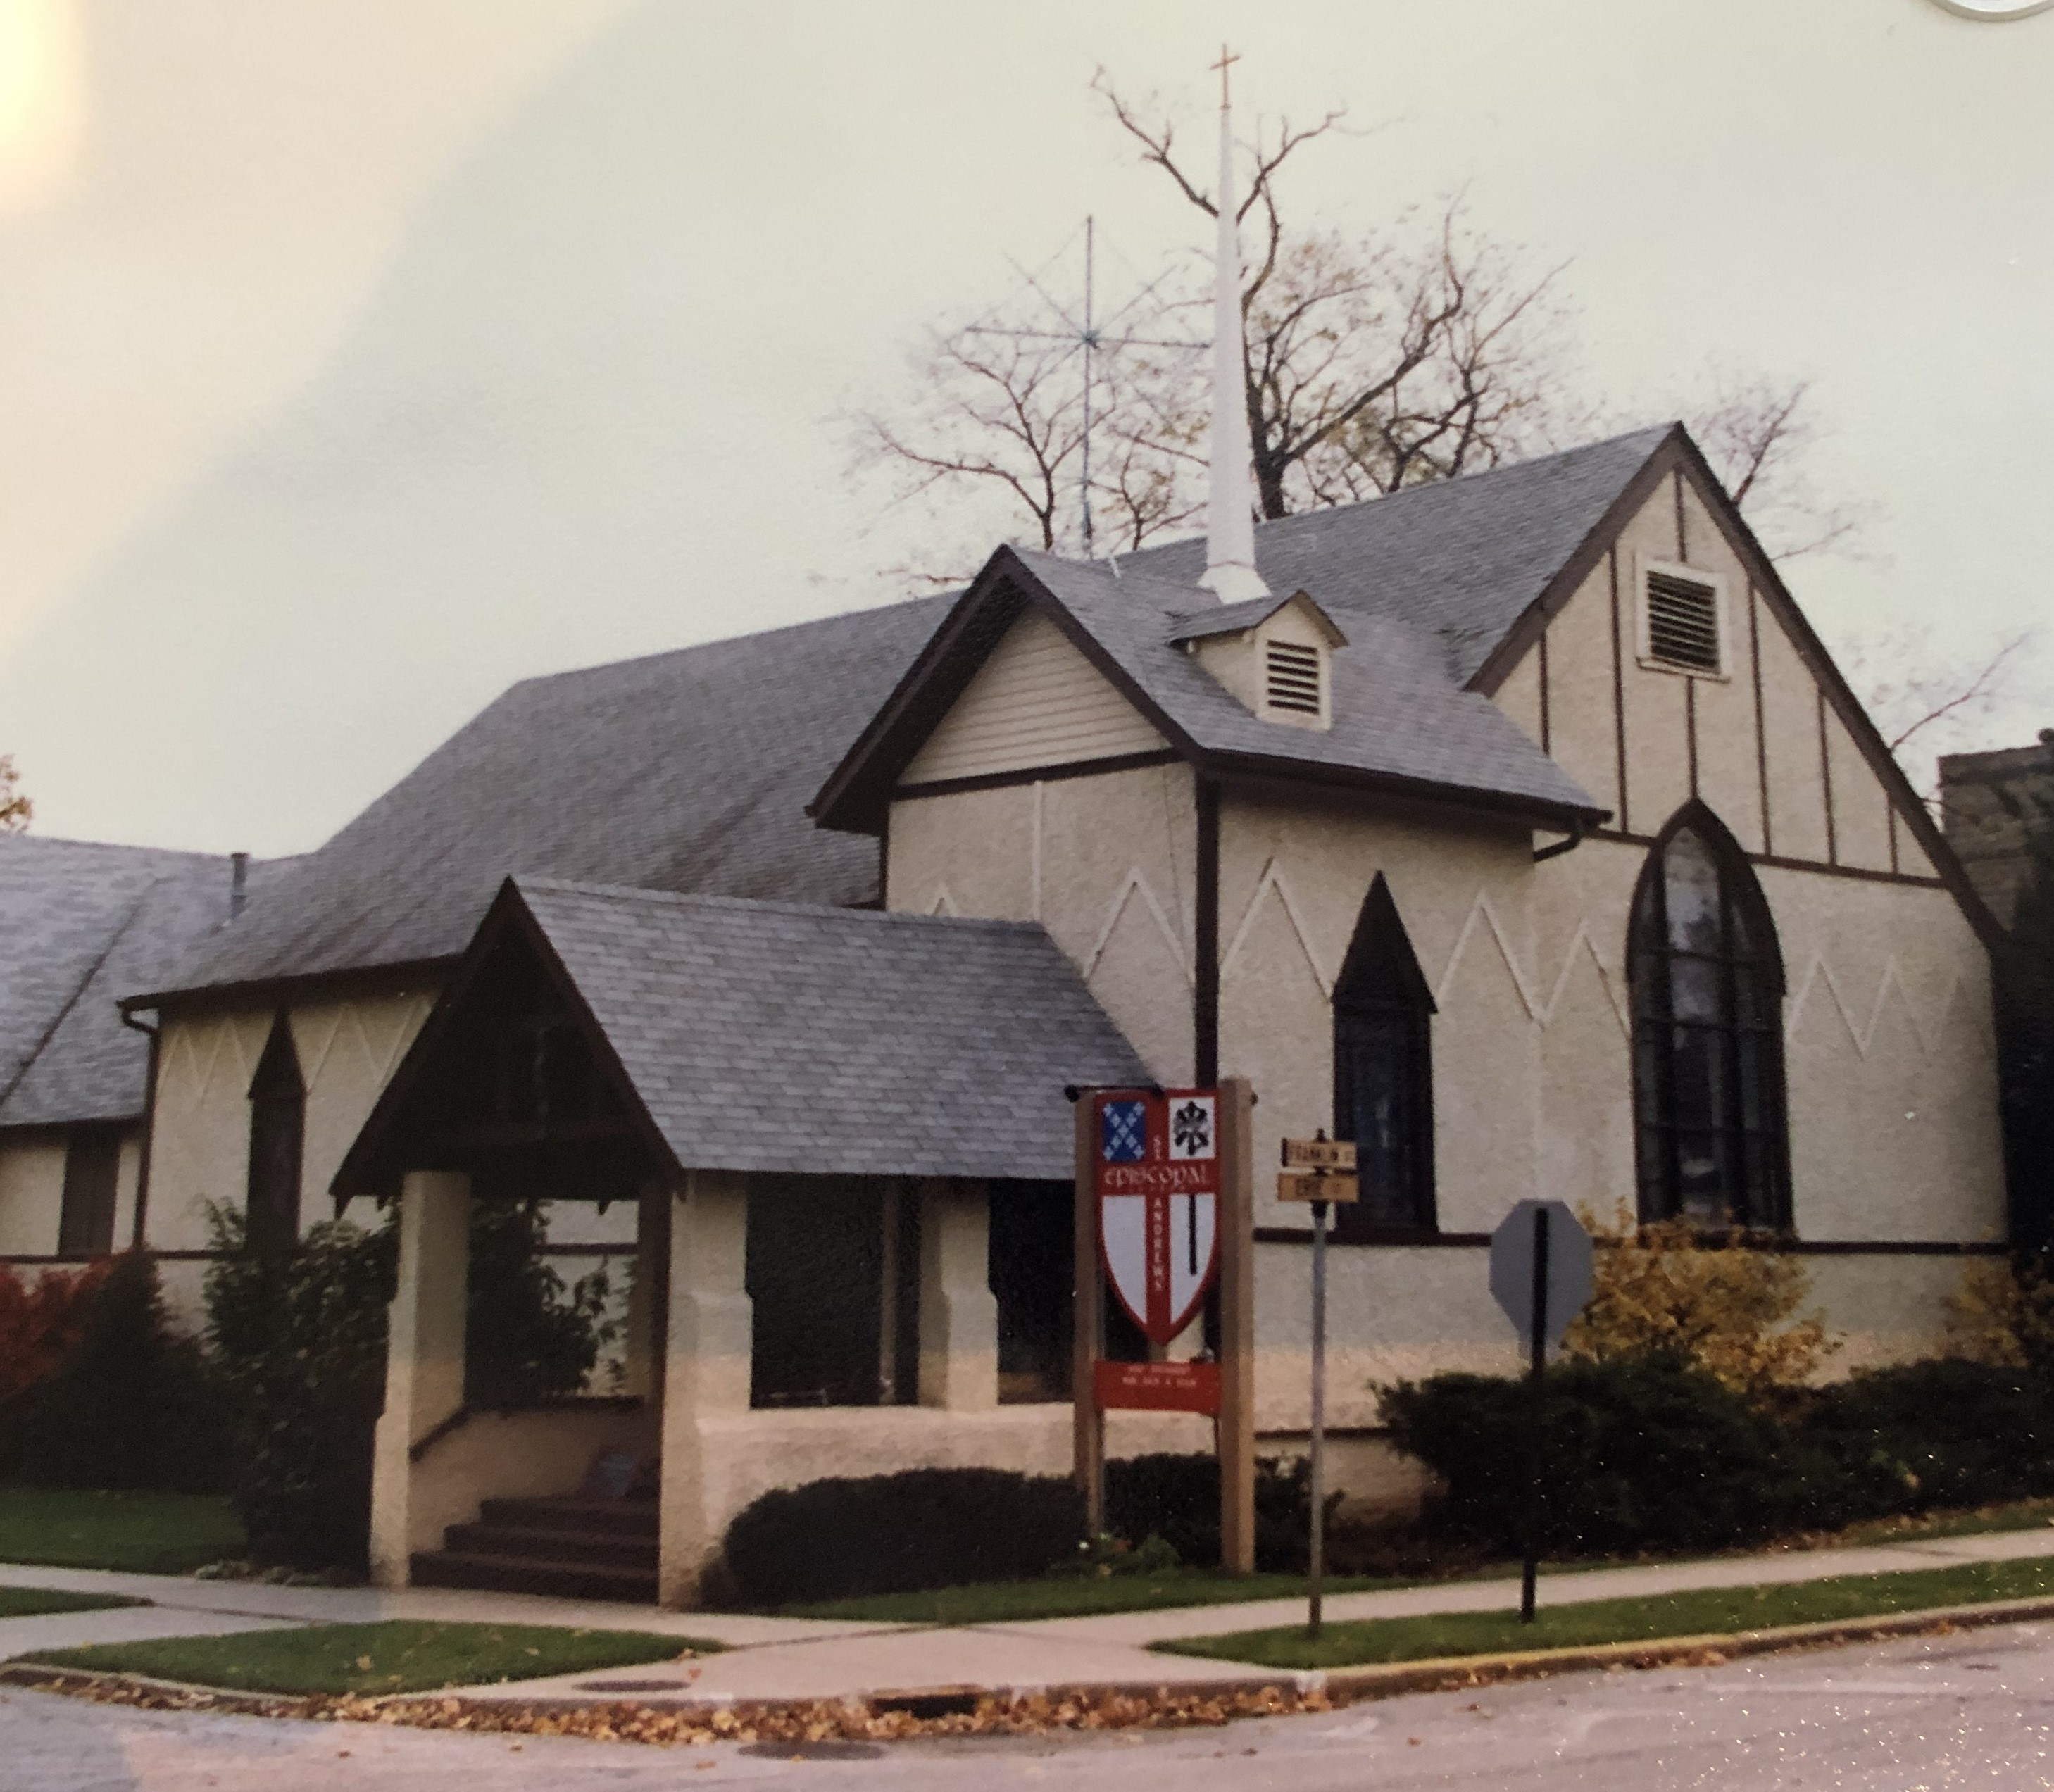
(786, 1037)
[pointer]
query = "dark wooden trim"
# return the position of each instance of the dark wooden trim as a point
(1890, 815)
(1760, 720)
(1396, 1238)
(53, 1259)
(1302, 774)
(396, 978)
(1791, 1247)
(137, 1232)
(1690, 731)
(1038, 774)
(1826, 778)
(1872, 745)
(1618, 692)
(356, 1175)
(1547, 740)
(1603, 538)
(1818, 866)
(1683, 538)
(1678, 451)
(1206, 967)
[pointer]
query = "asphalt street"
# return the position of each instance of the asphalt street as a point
(1974, 1709)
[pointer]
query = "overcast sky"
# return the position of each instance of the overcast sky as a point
(359, 357)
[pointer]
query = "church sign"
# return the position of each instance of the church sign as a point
(1157, 1184)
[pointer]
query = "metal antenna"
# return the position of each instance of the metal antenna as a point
(1087, 337)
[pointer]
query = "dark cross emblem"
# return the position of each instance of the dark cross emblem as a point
(1190, 1127)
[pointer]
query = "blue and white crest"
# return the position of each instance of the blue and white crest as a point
(1124, 1132)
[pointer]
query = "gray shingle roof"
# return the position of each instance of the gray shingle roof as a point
(690, 771)
(783, 1037)
(687, 770)
(1460, 560)
(1396, 714)
(79, 920)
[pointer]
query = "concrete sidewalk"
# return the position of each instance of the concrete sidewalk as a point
(770, 1659)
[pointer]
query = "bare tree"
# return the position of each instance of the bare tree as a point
(1918, 693)
(1758, 434)
(1372, 363)
(16, 810)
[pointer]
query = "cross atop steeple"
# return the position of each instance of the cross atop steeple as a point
(1225, 62)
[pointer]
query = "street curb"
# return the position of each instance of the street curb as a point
(1447, 1673)
(1153, 1702)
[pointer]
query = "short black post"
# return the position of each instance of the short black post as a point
(1537, 1342)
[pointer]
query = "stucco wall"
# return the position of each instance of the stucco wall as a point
(1105, 863)
(32, 1172)
(347, 1048)
(31, 1192)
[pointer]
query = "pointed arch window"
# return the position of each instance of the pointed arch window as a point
(1707, 986)
(277, 1129)
(1383, 1078)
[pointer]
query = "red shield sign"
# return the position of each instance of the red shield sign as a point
(1157, 1166)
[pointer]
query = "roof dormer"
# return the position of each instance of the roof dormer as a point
(1274, 655)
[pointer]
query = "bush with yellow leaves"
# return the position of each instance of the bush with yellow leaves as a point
(2003, 1313)
(1724, 1304)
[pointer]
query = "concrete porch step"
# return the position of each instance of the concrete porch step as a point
(569, 1514)
(558, 1579)
(600, 1548)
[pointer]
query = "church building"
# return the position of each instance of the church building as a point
(1517, 828)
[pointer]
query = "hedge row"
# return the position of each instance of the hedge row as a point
(1651, 1454)
(844, 1537)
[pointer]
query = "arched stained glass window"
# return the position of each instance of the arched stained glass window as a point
(1383, 1083)
(1707, 981)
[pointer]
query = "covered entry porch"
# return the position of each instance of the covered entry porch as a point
(844, 1140)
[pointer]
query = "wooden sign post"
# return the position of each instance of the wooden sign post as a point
(1318, 1170)
(1164, 1213)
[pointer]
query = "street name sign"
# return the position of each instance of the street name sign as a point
(1321, 1153)
(1301, 1185)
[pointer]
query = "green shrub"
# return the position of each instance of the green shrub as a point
(300, 1343)
(1177, 1498)
(1641, 1453)
(1944, 1433)
(1652, 1453)
(129, 1403)
(527, 1337)
(926, 1527)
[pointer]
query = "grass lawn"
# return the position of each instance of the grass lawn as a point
(138, 1533)
(402, 1656)
(1715, 1612)
(1065, 1595)
(30, 1602)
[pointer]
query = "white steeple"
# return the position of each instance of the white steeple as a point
(1230, 573)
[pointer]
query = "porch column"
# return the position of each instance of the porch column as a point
(706, 1369)
(423, 1359)
(959, 1313)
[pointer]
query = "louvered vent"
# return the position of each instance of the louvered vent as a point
(1682, 623)
(1291, 678)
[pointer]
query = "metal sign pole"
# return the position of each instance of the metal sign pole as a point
(1530, 1569)
(1315, 1564)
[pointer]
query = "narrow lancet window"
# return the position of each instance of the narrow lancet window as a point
(277, 1127)
(1383, 1082)
(1707, 981)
